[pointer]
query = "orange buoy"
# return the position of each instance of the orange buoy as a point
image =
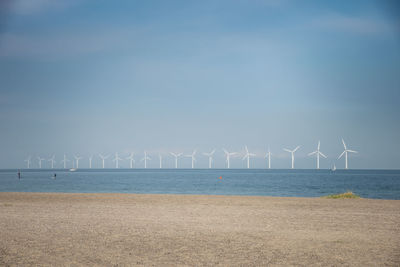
(220, 177)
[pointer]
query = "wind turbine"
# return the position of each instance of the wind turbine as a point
(77, 158)
(131, 160)
(116, 159)
(65, 161)
(268, 155)
(318, 153)
(176, 158)
(40, 161)
(345, 153)
(193, 158)
(160, 158)
(52, 160)
(145, 159)
(292, 152)
(90, 161)
(247, 156)
(103, 158)
(28, 162)
(228, 157)
(210, 157)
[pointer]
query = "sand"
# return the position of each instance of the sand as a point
(171, 230)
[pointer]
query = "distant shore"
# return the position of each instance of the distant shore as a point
(140, 229)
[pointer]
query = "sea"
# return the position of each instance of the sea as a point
(378, 184)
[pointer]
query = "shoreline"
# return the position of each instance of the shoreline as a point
(168, 229)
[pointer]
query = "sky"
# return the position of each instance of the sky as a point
(86, 77)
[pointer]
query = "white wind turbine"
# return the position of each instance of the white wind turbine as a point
(292, 152)
(228, 157)
(52, 160)
(210, 158)
(177, 155)
(160, 159)
(40, 161)
(268, 155)
(247, 156)
(145, 159)
(103, 158)
(345, 153)
(193, 158)
(90, 161)
(65, 160)
(77, 158)
(131, 160)
(318, 153)
(116, 159)
(28, 162)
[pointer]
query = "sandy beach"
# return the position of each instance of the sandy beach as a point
(160, 230)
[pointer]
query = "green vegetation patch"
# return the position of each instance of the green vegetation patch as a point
(348, 194)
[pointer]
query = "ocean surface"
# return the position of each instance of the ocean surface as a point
(382, 184)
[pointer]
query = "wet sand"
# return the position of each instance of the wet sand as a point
(170, 230)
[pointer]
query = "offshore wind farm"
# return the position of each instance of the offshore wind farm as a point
(209, 155)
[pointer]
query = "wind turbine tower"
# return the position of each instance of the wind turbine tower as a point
(28, 162)
(145, 159)
(131, 160)
(210, 158)
(90, 161)
(345, 153)
(116, 159)
(193, 158)
(247, 156)
(292, 152)
(77, 158)
(160, 159)
(177, 155)
(52, 160)
(228, 157)
(40, 162)
(103, 158)
(65, 161)
(318, 153)
(268, 155)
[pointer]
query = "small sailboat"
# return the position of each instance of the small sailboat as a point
(333, 168)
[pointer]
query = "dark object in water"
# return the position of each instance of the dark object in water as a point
(19, 174)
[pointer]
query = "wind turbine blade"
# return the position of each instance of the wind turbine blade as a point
(342, 154)
(319, 143)
(352, 151)
(226, 152)
(296, 148)
(344, 144)
(245, 157)
(312, 153)
(287, 150)
(212, 152)
(247, 151)
(322, 154)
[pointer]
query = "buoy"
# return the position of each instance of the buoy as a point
(220, 178)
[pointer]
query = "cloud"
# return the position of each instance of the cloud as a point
(359, 25)
(55, 46)
(33, 7)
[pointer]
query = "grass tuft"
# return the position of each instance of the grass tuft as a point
(348, 194)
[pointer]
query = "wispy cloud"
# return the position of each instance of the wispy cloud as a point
(59, 45)
(358, 25)
(33, 7)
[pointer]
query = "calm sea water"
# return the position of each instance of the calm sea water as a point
(384, 184)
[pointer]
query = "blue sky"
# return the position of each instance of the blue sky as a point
(86, 77)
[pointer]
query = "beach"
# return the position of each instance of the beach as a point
(171, 230)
